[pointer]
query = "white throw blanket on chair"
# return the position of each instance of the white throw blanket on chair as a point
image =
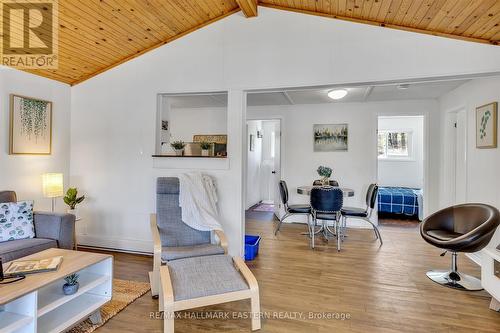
(198, 200)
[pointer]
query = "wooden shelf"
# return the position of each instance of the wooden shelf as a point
(12, 322)
(189, 156)
(52, 296)
(63, 317)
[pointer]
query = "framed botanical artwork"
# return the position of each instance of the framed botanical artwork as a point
(330, 137)
(486, 126)
(30, 126)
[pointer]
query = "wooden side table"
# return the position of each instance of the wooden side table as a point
(75, 246)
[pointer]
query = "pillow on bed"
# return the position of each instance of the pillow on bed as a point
(16, 220)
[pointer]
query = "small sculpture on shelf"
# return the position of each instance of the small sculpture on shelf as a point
(178, 147)
(205, 148)
(325, 174)
(71, 286)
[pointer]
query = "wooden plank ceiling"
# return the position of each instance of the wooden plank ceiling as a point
(96, 35)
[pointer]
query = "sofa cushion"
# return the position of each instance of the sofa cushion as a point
(16, 249)
(16, 220)
(204, 276)
(177, 252)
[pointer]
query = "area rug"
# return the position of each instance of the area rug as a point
(262, 207)
(124, 293)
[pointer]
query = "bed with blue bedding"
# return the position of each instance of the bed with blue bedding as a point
(400, 200)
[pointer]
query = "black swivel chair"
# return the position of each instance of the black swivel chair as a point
(326, 203)
(364, 213)
(461, 228)
(290, 209)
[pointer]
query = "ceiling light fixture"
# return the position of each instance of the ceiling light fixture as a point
(337, 93)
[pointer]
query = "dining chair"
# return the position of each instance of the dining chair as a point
(363, 213)
(318, 182)
(290, 209)
(326, 204)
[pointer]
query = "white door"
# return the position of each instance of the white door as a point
(460, 159)
(276, 148)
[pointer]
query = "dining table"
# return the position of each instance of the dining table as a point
(324, 229)
(306, 190)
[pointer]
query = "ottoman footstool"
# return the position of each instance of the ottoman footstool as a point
(201, 281)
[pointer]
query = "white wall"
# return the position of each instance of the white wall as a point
(254, 160)
(357, 167)
(184, 122)
(406, 172)
(483, 165)
(114, 113)
(22, 173)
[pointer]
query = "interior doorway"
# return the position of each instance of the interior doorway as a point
(401, 155)
(263, 167)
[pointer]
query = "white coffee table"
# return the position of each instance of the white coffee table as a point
(37, 303)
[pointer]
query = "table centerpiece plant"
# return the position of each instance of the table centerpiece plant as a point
(325, 173)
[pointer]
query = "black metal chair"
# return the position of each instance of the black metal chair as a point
(326, 203)
(460, 228)
(318, 182)
(290, 209)
(364, 213)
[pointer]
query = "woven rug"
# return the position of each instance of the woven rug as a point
(263, 208)
(124, 293)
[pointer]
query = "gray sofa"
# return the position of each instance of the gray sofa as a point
(51, 230)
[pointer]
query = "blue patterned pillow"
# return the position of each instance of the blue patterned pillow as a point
(16, 220)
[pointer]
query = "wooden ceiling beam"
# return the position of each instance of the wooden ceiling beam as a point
(248, 7)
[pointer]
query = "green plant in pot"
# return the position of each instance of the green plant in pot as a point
(71, 286)
(72, 199)
(205, 148)
(178, 147)
(325, 173)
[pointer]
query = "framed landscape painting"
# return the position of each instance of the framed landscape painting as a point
(486, 126)
(330, 137)
(30, 126)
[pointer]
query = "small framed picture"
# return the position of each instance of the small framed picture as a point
(30, 126)
(486, 126)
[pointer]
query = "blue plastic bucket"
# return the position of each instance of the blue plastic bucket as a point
(251, 246)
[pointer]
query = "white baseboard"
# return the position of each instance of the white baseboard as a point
(119, 244)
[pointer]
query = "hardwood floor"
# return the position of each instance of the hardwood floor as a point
(381, 289)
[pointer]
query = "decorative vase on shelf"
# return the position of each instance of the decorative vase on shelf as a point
(325, 181)
(73, 211)
(179, 152)
(71, 286)
(205, 152)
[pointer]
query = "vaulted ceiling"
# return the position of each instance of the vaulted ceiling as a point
(95, 35)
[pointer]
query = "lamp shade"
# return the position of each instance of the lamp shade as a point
(52, 185)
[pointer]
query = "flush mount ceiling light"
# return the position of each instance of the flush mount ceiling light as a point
(403, 86)
(337, 93)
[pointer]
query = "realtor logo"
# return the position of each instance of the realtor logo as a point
(29, 31)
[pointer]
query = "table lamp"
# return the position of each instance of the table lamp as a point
(52, 186)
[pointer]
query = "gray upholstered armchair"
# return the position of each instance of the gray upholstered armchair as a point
(172, 238)
(51, 230)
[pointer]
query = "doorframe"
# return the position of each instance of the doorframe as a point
(426, 152)
(282, 150)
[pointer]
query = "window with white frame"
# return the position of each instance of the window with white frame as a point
(394, 144)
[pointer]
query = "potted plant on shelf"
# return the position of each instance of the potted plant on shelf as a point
(178, 147)
(325, 174)
(71, 286)
(205, 148)
(72, 199)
